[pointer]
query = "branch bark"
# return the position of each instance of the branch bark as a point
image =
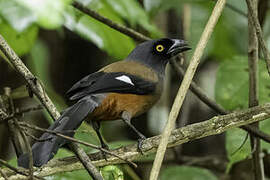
(216, 107)
(258, 30)
(257, 161)
(33, 80)
(3, 174)
(184, 87)
(213, 126)
(37, 88)
(194, 88)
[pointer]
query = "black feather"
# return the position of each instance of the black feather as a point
(71, 119)
(107, 82)
(84, 82)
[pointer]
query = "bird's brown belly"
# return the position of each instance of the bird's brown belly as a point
(114, 104)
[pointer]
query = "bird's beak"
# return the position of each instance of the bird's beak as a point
(178, 47)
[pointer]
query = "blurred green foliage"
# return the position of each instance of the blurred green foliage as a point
(186, 172)
(21, 20)
(232, 86)
(21, 42)
(232, 83)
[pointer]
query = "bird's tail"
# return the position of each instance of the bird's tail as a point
(70, 120)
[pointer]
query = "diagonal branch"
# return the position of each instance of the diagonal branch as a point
(125, 30)
(37, 88)
(258, 30)
(185, 85)
(213, 126)
(3, 174)
(28, 148)
(216, 107)
(72, 140)
(193, 87)
(13, 170)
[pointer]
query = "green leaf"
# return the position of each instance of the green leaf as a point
(38, 63)
(132, 12)
(78, 175)
(21, 42)
(234, 139)
(18, 17)
(152, 6)
(224, 34)
(87, 134)
(112, 172)
(232, 83)
(186, 172)
(197, 24)
(48, 13)
(113, 42)
(232, 86)
(118, 144)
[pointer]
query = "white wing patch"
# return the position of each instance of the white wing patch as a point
(125, 79)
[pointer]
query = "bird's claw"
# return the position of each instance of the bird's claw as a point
(140, 144)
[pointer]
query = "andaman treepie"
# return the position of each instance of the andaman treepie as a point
(121, 90)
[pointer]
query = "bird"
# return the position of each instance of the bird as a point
(121, 90)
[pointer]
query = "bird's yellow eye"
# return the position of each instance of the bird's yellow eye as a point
(159, 48)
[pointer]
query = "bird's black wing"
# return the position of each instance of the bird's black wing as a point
(85, 82)
(103, 82)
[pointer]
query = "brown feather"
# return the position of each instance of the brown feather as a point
(114, 104)
(134, 68)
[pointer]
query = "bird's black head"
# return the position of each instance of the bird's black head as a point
(156, 53)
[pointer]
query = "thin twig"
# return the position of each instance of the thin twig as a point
(184, 86)
(3, 174)
(16, 170)
(30, 109)
(199, 91)
(33, 137)
(125, 30)
(259, 33)
(4, 163)
(213, 126)
(89, 166)
(233, 8)
(59, 133)
(28, 148)
(241, 146)
(37, 88)
(21, 112)
(216, 107)
(194, 88)
(253, 49)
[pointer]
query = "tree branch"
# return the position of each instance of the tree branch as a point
(213, 126)
(3, 174)
(194, 88)
(29, 150)
(257, 161)
(37, 88)
(216, 107)
(125, 30)
(72, 140)
(199, 91)
(184, 86)
(12, 170)
(259, 33)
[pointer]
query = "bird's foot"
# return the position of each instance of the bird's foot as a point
(140, 144)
